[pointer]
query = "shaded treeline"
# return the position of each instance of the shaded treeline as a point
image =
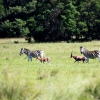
(50, 20)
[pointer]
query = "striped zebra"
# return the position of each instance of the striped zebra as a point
(30, 54)
(90, 54)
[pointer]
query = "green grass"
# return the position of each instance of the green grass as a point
(61, 79)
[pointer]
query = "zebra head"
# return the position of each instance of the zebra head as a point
(81, 49)
(21, 51)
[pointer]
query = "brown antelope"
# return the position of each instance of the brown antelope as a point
(78, 58)
(44, 59)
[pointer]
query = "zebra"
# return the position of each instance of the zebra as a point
(30, 54)
(90, 54)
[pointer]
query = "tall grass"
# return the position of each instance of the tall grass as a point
(62, 79)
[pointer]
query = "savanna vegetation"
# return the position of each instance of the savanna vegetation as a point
(61, 79)
(50, 20)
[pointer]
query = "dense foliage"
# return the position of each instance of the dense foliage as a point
(50, 20)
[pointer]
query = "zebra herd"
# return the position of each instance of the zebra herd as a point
(40, 54)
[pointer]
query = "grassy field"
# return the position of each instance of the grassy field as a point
(61, 79)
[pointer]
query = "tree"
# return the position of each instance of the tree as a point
(89, 12)
(50, 20)
(70, 15)
(1, 9)
(19, 27)
(6, 29)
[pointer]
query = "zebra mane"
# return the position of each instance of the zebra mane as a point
(83, 48)
(26, 51)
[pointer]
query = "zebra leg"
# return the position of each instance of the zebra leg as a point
(31, 58)
(99, 58)
(28, 58)
(87, 60)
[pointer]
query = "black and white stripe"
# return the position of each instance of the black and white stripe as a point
(90, 54)
(30, 54)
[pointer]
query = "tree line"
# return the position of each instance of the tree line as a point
(50, 20)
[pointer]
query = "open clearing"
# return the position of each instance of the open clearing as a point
(61, 79)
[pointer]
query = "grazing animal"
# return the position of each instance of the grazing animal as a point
(16, 42)
(30, 54)
(78, 58)
(44, 59)
(90, 54)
